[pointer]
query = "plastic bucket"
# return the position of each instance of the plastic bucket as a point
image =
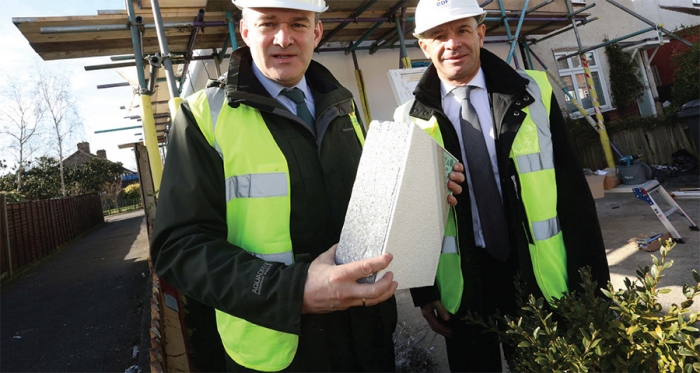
(632, 174)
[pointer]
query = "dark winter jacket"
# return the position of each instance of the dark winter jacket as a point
(575, 206)
(189, 245)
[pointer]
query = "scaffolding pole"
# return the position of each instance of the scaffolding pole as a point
(379, 22)
(343, 25)
(149, 126)
(504, 20)
(175, 100)
(602, 132)
(517, 33)
(364, 101)
(231, 30)
(189, 48)
(405, 60)
(604, 139)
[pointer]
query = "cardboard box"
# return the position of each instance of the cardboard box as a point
(398, 204)
(611, 179)
(595, 183)
(652, 243)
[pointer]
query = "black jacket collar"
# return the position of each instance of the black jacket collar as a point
(242, 85)
(501, 80)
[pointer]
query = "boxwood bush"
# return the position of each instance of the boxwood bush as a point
(625, 330)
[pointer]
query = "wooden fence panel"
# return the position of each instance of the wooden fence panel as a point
(655, 145)
(4, 244)
(31, 230)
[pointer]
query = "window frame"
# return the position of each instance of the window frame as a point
(571, 71)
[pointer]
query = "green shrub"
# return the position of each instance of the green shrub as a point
(686, 76)
(13, 196)
(625, 330)
(626, 85)
(132, 192)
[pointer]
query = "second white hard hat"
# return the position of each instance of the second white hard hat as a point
(431, 13)
(317, 6)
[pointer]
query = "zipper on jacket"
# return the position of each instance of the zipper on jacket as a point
(319, 139)
(521, 205)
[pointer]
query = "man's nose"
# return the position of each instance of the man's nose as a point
(452, 42)
(283, 37)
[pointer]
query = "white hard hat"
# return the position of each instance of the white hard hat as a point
(317, 6)
(431, 13)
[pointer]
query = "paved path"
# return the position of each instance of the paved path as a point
(81, 308)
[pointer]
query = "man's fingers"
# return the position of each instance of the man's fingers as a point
(442, 311)
(437, 325)
(330, 287)
(328, 256)
(364, 268)
(377, 292)
(454, 187)
(386, 294)
(380, 290)
(459, 167)
(436, 315)
(457, 177)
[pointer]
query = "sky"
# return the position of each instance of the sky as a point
(99, 109)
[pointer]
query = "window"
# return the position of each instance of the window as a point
(571, 73)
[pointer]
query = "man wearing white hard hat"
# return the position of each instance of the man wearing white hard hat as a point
(255, 188)
(529, 208)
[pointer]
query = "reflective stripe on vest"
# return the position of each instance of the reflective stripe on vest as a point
(256, 186)
(532, 153)
(258, 207)
(449, 273)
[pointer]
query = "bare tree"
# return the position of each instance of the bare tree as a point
(54, 94)
(20, 117)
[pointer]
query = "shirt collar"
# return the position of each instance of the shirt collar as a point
(274, 88)
(479, 81)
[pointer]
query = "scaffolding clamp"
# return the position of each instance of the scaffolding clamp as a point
(659, 34)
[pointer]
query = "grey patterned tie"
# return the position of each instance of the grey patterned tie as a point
(296, 95)
(488, 201)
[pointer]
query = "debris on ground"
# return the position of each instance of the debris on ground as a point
(411, 354)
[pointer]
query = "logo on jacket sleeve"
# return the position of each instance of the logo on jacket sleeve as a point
(260, 277)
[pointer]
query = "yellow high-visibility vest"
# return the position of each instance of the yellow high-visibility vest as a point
(258, 207)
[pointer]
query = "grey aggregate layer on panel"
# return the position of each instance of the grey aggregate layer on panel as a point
(374, 192)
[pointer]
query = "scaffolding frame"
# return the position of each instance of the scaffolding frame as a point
(393, 38)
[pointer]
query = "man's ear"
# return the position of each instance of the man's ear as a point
(424, 47)
(481, 31)
(243, 29)
(318, 33)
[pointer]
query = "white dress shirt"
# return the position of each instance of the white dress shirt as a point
(452, 107)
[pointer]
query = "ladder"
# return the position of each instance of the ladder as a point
(645, 195)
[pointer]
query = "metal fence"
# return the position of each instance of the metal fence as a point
(110, 207)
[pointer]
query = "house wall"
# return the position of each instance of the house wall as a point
(671, 20)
